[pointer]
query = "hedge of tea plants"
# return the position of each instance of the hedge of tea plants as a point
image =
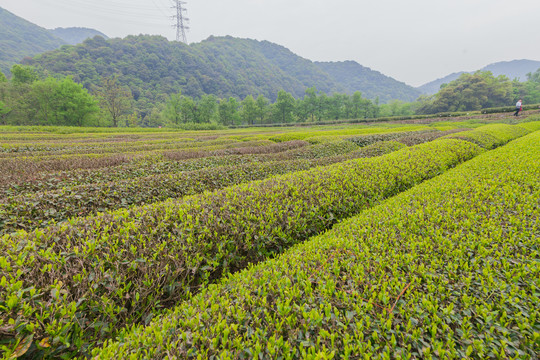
(66, 288)
(29, 211)
(448, 270)
(151, 165)
(313, 133)
(491, 136)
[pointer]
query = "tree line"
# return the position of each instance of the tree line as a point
(32, 98)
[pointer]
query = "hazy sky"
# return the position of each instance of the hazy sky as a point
(414, 41)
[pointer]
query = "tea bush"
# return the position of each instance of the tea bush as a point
(448, 269)
(66, 288)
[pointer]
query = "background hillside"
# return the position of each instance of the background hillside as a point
(355, 77)
(515, 69)
(223, 66)
(20, 38)
(76, 35)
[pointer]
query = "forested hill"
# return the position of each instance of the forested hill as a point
(20, 38)
(76, 35)
(515, 69)
(223, 66)
(372, 84)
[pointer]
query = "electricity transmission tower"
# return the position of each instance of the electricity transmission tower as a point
(181, 21)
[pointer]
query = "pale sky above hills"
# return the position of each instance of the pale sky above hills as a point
(414, 41)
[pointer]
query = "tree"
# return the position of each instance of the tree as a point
(357, 104)
(3, 78)
(228, 111)
(4, 110)
(311, 102)
(60, 102)
(173, 108)
(335, 106)
(23, 74)
(470, 92)
(262, 107)
(114, 98)
(189, 111)
(284, 107)
(208, 108)
(75, 104)
(249, 110)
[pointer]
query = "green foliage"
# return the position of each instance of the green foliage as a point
(85, 279)
(430, 273)
(47, 102)
(229, 111)
(23, 74)
(115, 99)
(284, 107)
(470, 92)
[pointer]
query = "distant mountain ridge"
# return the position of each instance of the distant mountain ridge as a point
(20, 38)
(515, 69)
(76, 35)
(223, 66)
(355, 77)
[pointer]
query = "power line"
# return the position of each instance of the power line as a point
(181, 21)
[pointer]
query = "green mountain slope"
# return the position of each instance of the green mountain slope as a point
(20, 38)
(372, 84)
(76, 35)
(223, 66)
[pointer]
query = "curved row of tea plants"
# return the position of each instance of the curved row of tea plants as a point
(68, 287)
(313, 133)
(449, 269)
(491, 136)
(40, 209)
(16, 170)
(27, 212)
(147, 166)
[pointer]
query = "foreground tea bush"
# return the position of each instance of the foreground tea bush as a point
(491, 136)
(66, 288)
(446, 270)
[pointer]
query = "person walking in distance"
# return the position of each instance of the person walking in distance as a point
(518, 108)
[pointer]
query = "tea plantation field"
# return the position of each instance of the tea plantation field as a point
(344, 242)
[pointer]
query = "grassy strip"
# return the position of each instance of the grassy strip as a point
(446, 270)
(47, 208)
(491, 136)
(69, 287)
(153, 166)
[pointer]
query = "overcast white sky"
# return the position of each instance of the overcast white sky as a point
(414, 41)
